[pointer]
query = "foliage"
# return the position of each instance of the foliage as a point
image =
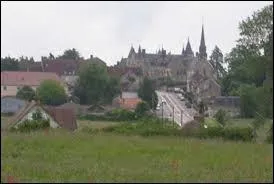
(115, 115)
(70, 54)
(147, 93)
(142, 108)
(250, 73)
(9, 64)
(217, 61)
(50, 92)
(95, 86)
(31, 125)
(258, 121)
(26, 93)
(145, 127)
(238, 134)
(221, 117)
(37, 115)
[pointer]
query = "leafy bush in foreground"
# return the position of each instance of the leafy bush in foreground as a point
(29, 125)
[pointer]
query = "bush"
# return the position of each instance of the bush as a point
(29, 125)
(141, 109)
(144, 127)
(221, 117)
(238, 134)
(210, 132)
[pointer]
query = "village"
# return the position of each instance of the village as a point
(201, 114)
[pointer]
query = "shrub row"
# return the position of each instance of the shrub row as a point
(151, 127)
(30, 125)
(115, 115)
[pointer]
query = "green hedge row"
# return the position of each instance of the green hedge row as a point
(30, 125)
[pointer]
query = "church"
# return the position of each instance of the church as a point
(193, 69)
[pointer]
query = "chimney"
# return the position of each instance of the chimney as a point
(91, 56)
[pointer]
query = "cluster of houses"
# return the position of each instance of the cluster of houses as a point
(65, 72)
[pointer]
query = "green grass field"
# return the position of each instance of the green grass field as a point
(59, 156)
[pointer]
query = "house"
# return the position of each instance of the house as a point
(12, 81)
(11, 105)
(127, 100)
(58, 117)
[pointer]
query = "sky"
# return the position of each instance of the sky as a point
(108, 29)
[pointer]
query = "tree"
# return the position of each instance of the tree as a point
(142, 108)
(9, 64)
(250, 73)
(147, 93)
(94, 86)
(51, 92)
(216, 59)
(70, 54)
(26, 93)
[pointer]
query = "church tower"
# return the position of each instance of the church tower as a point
(202, 48)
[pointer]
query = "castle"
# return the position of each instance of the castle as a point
(194, 70)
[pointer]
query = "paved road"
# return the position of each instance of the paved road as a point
(172, 101)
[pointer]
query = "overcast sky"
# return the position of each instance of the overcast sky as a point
(108, 29)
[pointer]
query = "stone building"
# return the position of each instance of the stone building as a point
(193, 70)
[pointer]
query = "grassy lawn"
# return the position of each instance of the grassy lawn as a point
(59, 156)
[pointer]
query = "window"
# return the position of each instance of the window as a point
(5, 87)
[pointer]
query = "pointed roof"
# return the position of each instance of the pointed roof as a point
(202, 43)
(188, 50)
(139, 49)
(132, 51)
(202, 48)
(183, 51)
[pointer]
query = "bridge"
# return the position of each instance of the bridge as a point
(172, 108)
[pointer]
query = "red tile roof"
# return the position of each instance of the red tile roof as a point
(59, 66)
(10, 78)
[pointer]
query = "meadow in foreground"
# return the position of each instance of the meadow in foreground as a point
(58, 156)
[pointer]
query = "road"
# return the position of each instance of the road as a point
(172, 101)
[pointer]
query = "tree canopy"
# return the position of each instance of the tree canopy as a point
(26, 93)
(51, 92)
(9, 64)
(147, 93)
(94, 86)
(250, 65)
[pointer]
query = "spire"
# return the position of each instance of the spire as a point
(139, 49)
(183, 51)
(188, 51)
(202, 48)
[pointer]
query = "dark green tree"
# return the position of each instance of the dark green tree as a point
(51, 92)
(142, 108)
(147, 93)
(70, 54)
(95, 86)
(217, 60)
(9, 64)
(26, 93)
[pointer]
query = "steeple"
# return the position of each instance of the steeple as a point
(139, 50)
(188, 51)
(183, 51)
(202, 48)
